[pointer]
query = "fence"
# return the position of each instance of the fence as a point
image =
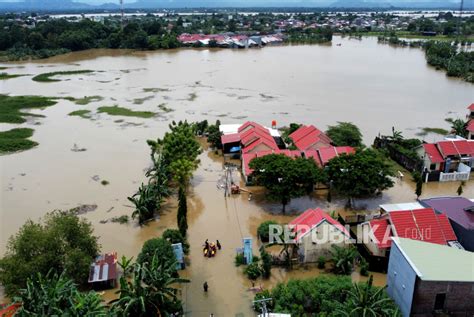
(452, 177)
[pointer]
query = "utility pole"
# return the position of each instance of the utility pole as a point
(263, 306)
(461, 9)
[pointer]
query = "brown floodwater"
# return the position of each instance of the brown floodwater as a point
(375, 86)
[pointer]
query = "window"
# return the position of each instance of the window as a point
(432, 167)
(439, 301)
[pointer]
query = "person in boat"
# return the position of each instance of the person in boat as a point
(205, 287)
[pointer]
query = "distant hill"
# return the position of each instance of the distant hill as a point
(64, 5)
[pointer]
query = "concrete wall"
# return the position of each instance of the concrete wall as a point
(401, 279)
(459, 298)
(370, 245)
(312, 251)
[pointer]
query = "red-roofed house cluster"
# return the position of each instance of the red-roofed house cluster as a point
(422, 224)
(447, 160)
(254, 140)
(104, 270)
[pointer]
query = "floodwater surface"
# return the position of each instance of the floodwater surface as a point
(374, 86)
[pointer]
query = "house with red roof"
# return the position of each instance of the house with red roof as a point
(420, 224)
(8, 310)
(447, 160)
(315, 233)
(308, 137)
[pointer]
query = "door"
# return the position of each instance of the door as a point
(439, 301)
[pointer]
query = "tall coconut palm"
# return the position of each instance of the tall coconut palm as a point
(368, 301)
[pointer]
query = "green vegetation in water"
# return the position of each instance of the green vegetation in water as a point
(119, 111)
(16, 140)
(139, 101)
(123, 219)
(5, 76)
(87, 100)
(192, 96)
(81, 113)
(164, 108)
(426, 130)
(48, 77)
(105, 182)
(11, 107)
(155, 90)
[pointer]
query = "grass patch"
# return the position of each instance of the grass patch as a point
(81, 113)
(16, 140)
(5, 76)
(425, 131)
(121, 219)
(139, 101)
(192, 96)
(164, 108)
(87, 100)
(119, 111)
(155, 90)
(11, 107)
(48, 77)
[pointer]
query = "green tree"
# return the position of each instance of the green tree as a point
(174, 236)
(263, 230)
(361, 174)
(459, 127)
(344, 259)
(285, 178)
(460, 189)
(266, 266)
(214, 135)
(345, 134)
(62, 242)
(367, 301)
(419, 183)
(156, 246)
(151, 291)
(182, 212)
(56, 295)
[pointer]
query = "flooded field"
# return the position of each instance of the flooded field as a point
(375, 86)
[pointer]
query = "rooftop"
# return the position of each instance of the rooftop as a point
(401, 206)
(453, 207)
(312, 218)
(434, 262)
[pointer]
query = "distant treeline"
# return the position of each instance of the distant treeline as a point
(59, 36)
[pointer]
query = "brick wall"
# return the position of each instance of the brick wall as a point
(459, 298)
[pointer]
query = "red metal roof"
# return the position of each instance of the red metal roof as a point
(9, 311)
(246, 158)
(230, 138)
(382, 233)
(471, 107)
(312, 218)
(433, 153)
(104, 268)
(314, 155)
(470, 125)
(250, 124)
(330, 152)
(271, 145)
(421, 224)
(457, 148)
(306, 136)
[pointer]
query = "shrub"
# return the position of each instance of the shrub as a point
(321, 262)
(239, 259)
(253, 271)
(264, 230)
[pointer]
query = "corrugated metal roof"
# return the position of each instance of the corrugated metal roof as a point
(453, 207)
(434, 262)
(433, 153)
(402, 206)
(381, 233)
(312, 218)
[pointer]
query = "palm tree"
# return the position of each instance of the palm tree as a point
(150, 292)
(126, 265)
(396, 135)
(367, 301)
(459, 127)
(344, 258)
